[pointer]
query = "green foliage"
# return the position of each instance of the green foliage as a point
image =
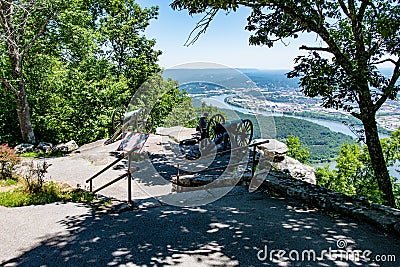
(328, 178)
(344, 69)
(324, 144)
(172, 103)
(296, 149)
(120, 26)
(8, 160)
(165, 104)
(391, 148)
(91, 59)
(354, 175)
(8, 182)
(9, 127)
(20, 197)
(42, 154)
(182, 115)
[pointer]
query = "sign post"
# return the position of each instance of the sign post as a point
(132, 143)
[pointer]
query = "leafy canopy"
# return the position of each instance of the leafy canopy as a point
(353, 174)
(356, 37)
(297, 150)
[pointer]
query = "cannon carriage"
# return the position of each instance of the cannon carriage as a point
(241, 131)
(139, 120)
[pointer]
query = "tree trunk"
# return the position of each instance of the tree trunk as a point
(377, 159)
(24, 116)
(23, 113)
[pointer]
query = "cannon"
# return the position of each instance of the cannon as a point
(241, 130)
(139, 120)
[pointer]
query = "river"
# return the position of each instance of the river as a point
(219, 101)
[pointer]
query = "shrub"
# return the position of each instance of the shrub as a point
(8, 160)
(34, 176)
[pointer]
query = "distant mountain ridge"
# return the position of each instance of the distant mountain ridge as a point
(232, 78)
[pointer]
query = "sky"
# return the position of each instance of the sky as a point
(226, 42)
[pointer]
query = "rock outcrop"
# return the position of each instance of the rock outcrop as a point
(297, 170)
(275, 151)
(177, 133)
(24, 148)
(66, 147)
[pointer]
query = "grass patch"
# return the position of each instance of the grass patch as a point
(41, 154)
(51, 192)
(8, 182)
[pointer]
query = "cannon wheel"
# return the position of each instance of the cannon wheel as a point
(244, 133)
(118, 118)
(214, 120)
(143, 123)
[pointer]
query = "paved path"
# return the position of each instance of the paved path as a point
(228, 232)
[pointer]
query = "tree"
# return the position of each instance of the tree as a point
(21, 24)
(121, 25)
(356, 35)
(353, 174)
(70, 72)
(161, 99)
(297, 150)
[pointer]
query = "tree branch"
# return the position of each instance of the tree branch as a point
(324, 34)
(390, 88)
(3, 20)
(352, 8)
(37, 35)
(8, 85)
(375, 47)
(23, 24)
(383, 61)
(356, 115)
(325, 49)
(363, 7)
(201, 26)
(344, 8)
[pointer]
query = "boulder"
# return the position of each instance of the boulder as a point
(274, 149)
(24, 148)
(67, 147)
(45, 147)
(297, 170)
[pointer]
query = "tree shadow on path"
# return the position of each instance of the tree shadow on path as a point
(227, 232)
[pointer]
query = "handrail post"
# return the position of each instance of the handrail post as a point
(129, 179)
(253, 163)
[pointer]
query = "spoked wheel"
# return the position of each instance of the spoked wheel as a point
(137, 121)
(244, 133)
(214, 120)
(149, 123)
(118, 118)
(141, 121)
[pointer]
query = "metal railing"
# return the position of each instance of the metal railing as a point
(127, 174)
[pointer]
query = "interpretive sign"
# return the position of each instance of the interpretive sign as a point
(133, 142)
